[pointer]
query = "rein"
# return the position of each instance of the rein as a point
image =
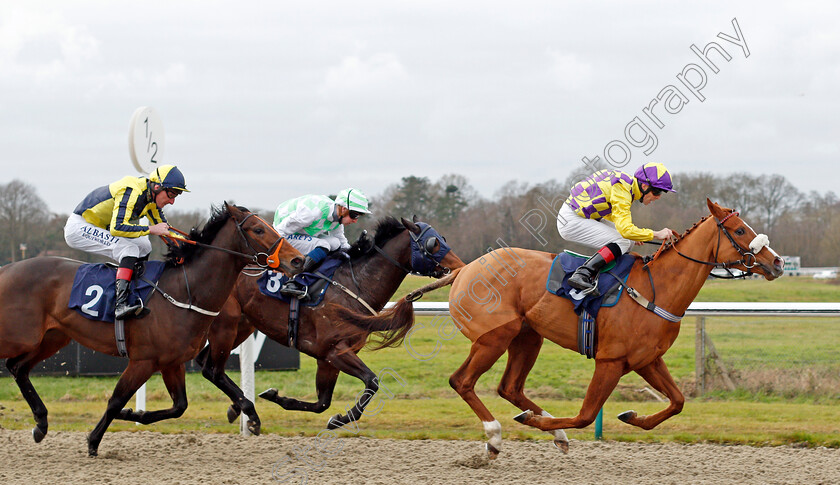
(747, 257)
(270, 259)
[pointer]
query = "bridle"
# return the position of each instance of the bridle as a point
(268, 259)
(748, 259)
(422, 249)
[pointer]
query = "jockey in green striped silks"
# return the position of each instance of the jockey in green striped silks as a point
(314, 225)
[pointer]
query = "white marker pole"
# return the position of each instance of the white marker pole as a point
(246, 368)
(145, 147)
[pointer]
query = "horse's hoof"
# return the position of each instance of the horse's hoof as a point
(336, 422)
(254, 428)
(38, 434)
(269, 394)
(92, 452)
(232, 413)
(626, 416)
(562, 446)
(492, 451)
(523, 416)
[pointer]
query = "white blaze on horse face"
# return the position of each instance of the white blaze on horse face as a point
(493, 430)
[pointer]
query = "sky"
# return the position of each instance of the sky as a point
(262, 101)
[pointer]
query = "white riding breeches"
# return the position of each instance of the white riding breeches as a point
(80, 234)
(306, 243)
(589, 232)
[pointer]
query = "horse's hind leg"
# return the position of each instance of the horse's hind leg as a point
(485, 351)
(522, 353)
(137, 373)
(606, 376)
(20, 367)
(657, 375)
(174, 380)
(345, 360)
(325, 379)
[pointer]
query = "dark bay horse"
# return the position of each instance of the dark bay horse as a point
(35, 321)
(374, 272)
(509, 309)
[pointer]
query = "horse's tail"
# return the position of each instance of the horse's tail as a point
(394, 323)
(439, 283)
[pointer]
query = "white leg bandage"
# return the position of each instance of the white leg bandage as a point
(493, 430)
(559, 434)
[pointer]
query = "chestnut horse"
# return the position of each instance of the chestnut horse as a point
(35, 321)
(509, 309)
(374, 272)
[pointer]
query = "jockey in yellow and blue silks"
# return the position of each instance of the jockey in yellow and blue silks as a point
(314, 225)
(107, 222)
(597, 214)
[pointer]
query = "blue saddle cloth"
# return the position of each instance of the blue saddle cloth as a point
(93, 294)
(606, 282)
(271, 282)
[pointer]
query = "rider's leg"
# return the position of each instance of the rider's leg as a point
(312, 260)
(598, 234)
(122, 309)
(128, 251)
(584, 277)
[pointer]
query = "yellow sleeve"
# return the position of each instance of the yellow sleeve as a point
(124, 201)
(621, 198)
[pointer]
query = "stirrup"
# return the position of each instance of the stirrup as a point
(294, 291)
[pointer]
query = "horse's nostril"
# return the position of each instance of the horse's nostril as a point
(779, 263)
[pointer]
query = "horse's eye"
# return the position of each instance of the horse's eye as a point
(740, 231)
(259, 231)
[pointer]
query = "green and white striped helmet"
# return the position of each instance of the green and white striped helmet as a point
(353, 199)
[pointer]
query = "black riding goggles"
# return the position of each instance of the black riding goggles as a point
(356, 215)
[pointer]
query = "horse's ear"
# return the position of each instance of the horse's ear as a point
(415, 218)
(715, 209)
(233, 210)
(410, 225)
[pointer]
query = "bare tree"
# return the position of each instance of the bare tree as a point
(23, 215)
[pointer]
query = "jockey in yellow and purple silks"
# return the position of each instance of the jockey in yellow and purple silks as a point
(597, 214)
(107, 222)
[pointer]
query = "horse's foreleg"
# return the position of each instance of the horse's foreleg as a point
(137, 373)
(483, 354)
(657, 375)
(606, 376)
(174, 380)
(20, 366)
(213, 369)
(325, 379)
(348, 362)
(522, 354)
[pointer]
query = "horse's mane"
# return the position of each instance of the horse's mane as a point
(668, 245)
(183, 252)
(386, 229)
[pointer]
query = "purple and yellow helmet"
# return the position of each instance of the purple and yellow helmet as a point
(656, 176)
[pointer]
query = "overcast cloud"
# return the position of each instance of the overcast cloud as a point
(263, 101)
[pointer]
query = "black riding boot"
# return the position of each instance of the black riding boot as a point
(294, 289)
(122, 310)
(583, 278)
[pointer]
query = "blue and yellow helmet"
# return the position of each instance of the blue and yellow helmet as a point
(169, 177)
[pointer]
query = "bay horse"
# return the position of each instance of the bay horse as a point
(35, 321)
(507, 308)
(374, 272)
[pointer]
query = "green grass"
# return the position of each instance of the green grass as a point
(786, 369)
